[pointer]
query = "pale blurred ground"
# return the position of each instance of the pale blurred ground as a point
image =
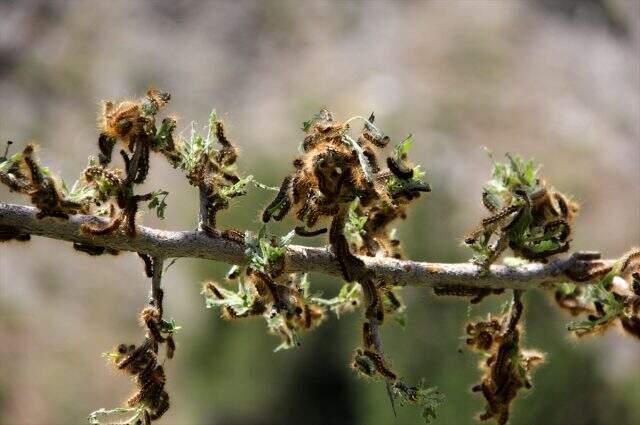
(558, 80)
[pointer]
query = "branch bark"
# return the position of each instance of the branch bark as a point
(196, 244)
(157, 294)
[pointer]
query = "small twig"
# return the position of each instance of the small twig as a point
(374, 324)
(157, 293)
(133, 163)
(202, 211)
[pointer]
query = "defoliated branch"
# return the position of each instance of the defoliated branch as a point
(197, 244)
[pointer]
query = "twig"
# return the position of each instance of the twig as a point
(157, 293)
(202, 207)
(193, 244)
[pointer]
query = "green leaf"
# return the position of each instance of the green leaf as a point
(237, 189)
(259, 185)
(492, 199)
(416, 182)
(164, 133)
(240, 301)
(119, 415)
(192, 151)
(599, 293)
(170, 327)
(278, 326)
(506, 177)
(9, 162)
(79, 192)
(262, 251)
(158, 202)
(304, 285)
(401, 150)
(347, 299)
(354, 227)
(428, 398)
(306, 125)
(400, 316)
(232, 271)
(286, 239)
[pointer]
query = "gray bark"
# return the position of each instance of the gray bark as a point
(196, 244)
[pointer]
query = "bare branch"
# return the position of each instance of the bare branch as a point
(194, 244)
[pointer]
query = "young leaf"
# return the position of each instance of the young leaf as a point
(158, 202)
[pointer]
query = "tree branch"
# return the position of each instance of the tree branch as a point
(157, 293)
(196, 244)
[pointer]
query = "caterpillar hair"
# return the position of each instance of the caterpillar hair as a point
(629, 258)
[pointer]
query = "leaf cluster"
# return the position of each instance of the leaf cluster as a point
(527, 215)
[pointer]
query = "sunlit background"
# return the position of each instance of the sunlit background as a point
(558, 80)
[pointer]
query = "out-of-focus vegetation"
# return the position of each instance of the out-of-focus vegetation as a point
(554, 80)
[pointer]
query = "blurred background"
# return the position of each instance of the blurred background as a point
(557, 80)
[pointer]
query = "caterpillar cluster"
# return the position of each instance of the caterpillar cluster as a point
(23, 174)
(527, 215)
(141, 362)
(612, 302)
(133, 124)
(507, 367)
(281, 300)
(214, 172)
(368, 361)
(341, 186)
(340, 179)
(332, 172)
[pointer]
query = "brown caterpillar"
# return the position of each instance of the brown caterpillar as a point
(379, 362)
(301, 231)
(398, 170)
